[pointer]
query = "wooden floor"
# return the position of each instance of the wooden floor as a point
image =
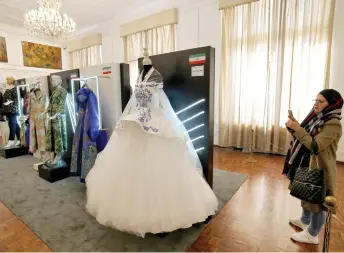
(255, 219)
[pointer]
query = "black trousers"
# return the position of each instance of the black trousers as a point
(14, 126)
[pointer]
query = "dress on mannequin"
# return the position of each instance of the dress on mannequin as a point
(149, 178)
(56, 130)
(11, 110)
(84, 151)
(36, 106)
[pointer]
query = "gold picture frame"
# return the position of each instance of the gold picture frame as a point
(41, 56)
(3, 50)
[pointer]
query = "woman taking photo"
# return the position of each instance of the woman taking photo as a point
(314, 145)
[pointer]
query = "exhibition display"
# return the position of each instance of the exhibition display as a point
(90, 124)
(87, 127)
(189, 83)
(10, 109)
(60, 129)
(98, 107)
(149, 178)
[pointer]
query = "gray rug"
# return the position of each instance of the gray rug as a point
(56, 213)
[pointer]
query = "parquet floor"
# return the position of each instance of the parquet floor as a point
(255, 219)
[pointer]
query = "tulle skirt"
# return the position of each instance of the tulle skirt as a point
(142, 183)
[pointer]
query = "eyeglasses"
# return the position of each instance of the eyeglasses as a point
(318, 101)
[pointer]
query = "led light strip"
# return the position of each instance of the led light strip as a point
(72, 109)
(194, 116)
(198, 138)
(190, 106)
(200, 149)
(196, 127)
(71, 114)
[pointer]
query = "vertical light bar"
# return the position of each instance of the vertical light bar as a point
(99, 108)
(70, 113)
(18, 97)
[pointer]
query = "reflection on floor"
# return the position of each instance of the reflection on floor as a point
(255, 219)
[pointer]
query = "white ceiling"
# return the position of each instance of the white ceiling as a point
(86, 13)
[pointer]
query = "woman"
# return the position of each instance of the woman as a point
(320, 132)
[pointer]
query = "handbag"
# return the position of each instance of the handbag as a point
(309, 185)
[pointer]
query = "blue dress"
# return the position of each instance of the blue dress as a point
(84, 151)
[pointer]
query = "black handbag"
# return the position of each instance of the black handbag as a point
(308, 184)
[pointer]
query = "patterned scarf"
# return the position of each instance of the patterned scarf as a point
(297, 152)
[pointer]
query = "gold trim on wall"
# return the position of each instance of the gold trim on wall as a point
(159, 19)
(223, 4)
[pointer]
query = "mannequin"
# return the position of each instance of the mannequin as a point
(147, 63)
(11, 110)
(36, 105)
(56, 139)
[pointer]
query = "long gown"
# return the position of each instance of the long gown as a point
(149, 179)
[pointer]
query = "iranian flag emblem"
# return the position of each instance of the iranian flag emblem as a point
(197, 59)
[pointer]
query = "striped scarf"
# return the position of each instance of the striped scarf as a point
(298, 152)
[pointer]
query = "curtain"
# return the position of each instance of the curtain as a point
(275, 57)
(158, 40)
(86, 57)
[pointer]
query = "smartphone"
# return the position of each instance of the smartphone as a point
(290, 112)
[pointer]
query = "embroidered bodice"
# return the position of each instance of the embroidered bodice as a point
(150, 108)
(147, 98)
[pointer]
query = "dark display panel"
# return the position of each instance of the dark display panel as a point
(189, 78)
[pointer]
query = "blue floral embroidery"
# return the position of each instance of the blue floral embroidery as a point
(144, 98)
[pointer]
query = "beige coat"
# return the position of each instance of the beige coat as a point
(327, 140)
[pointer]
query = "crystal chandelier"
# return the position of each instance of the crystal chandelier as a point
(46, 21)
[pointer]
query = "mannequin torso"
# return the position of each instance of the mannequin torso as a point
(145, 70)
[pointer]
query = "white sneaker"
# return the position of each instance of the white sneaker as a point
(10, 144)
(305, 237)
(298, 223)
(18, 143)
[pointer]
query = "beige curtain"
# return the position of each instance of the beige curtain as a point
(158, 40)
(275, 57)
(86, 57)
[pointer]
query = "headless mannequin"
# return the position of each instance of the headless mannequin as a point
(56, 82)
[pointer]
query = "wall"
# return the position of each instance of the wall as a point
(15, 65)
(337, 61)
(199, 25)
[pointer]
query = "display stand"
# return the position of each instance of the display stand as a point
(53, 173)
(189, 83)
(13, 152)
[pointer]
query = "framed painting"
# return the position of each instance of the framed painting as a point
(41, 56)
(3, 50)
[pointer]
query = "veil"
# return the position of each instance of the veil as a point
(154, 79)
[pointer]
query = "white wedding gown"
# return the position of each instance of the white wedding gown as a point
(149, 178)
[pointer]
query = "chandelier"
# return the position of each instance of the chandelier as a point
(46, 21)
